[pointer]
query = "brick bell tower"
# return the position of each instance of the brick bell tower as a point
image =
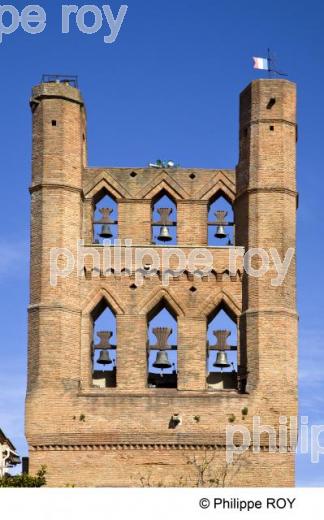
(130, 402)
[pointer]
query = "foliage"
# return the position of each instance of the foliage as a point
(244, 412)
(25, 480)
(206, 472)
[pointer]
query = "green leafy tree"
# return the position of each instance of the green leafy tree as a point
(24, 480)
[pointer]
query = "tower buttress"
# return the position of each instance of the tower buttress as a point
(265, 215)
(59, 155)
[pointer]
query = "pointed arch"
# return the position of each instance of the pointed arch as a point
(160, 296)
(216, 301)
(220, 183)
(163, 190)
(95, 298)
(162, 182)
(105, 183)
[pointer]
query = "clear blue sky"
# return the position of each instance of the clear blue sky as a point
(167, 88)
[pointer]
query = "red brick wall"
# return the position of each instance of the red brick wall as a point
(124, 435)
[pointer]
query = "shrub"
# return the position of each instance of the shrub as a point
(25, 480)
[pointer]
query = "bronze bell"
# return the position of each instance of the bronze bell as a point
(104, 358)
(162, 360)
(164, 235)
(105, 231)
(220, 232)
(221, 360)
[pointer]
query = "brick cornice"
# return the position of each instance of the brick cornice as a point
(54, 185)
(54, 306)
(271, 120)
(266, 189)
(150, 441)
(171, 394)
(39, 97)
(271, 310)
(156, 446)
(92, 440)
(124, 446)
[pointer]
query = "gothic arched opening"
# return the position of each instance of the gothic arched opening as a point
(162, 347)
(105, 217)
(104, 346)
(222, 340)
(221, 229)
(164, 219)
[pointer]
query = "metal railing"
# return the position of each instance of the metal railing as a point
(61, 78)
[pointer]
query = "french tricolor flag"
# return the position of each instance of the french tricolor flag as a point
(260, 63)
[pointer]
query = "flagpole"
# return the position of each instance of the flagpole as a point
(271, 70)
(268, 64)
